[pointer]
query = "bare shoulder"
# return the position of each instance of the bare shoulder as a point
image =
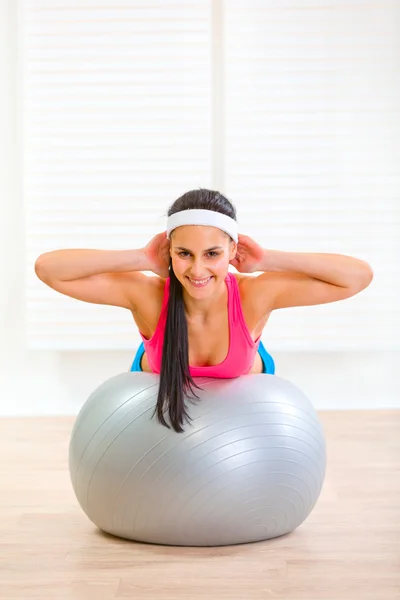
(147, 305)
(151, 289)
(256, 310)
(250, 287)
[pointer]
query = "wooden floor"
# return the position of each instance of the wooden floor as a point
(349, 547)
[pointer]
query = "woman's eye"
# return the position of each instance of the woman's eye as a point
(211, 254)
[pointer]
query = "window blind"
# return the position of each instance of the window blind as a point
(117, 103)
(291, 109)
(312, 140)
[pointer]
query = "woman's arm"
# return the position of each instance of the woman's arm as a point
(95, 276)
(299, 278)
(109, 277)
(68, 265)
(306, 279)
(336, 269)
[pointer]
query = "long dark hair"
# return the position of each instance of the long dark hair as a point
(175, 378)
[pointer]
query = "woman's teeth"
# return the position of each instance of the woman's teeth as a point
(199, 282)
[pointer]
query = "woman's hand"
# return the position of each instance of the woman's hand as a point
(157, 254)
(249, 255)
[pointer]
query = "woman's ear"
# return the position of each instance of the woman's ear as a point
(232, 250)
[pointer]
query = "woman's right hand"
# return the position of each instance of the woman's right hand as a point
(157, 254)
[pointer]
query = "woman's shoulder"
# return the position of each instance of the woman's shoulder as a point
(148, 307)
(155, 289)
(252, 292)
(240, 277)
(246, 283)
(251, 282)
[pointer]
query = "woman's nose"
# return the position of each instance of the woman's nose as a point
(197, 268)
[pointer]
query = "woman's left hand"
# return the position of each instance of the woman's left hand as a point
(249, 255)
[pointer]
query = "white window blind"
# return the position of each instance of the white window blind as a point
(118, 117)
(122, 110)
(312, 147)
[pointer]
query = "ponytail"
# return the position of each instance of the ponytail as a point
(175, 378)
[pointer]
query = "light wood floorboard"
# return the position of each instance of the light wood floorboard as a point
(348, 548)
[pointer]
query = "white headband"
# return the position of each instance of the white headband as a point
(198, 216)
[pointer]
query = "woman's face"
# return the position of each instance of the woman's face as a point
(200, 257)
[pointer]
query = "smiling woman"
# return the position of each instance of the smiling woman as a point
(209, 322)
(202, 330)
(195, 318)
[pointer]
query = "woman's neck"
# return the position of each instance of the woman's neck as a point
(200, 310)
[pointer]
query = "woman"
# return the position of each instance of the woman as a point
(195, 317)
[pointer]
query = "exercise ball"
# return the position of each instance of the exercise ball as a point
(248, 467)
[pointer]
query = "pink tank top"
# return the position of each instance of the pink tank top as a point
(242, 348)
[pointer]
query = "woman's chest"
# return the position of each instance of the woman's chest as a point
(208, 343)
(208, 340)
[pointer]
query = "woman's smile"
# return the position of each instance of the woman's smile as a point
(199, 283)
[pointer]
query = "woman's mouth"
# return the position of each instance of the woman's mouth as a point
(198, 283)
